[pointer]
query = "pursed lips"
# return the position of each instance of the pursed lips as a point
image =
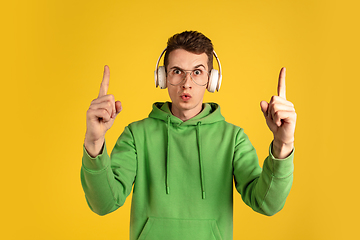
(185, 96)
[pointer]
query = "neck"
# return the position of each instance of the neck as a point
(185, 115)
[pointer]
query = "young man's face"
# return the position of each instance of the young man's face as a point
(186, 97)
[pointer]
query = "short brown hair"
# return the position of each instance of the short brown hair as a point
(191, 41)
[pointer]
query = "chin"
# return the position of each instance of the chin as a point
(188, 105)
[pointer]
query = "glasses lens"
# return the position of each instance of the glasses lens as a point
(176, 76)
(199, 76)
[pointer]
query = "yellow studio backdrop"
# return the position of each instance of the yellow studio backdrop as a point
(52, 58)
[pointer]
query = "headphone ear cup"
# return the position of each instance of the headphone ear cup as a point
(156, 79)
(161, 78)
(213, 81)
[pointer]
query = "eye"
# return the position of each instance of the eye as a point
(177, 71)
(197, 72)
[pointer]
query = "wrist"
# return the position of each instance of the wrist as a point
(282, 150)
(94, 148)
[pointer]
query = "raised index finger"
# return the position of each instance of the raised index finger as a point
(281, 84)
(105, 82)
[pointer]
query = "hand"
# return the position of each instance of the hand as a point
(100, 117)
(280, 117)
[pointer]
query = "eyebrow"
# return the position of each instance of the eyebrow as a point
(197, 66)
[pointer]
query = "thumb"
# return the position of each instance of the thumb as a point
(118, 107)
(264, 107)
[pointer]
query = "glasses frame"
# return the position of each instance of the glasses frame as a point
(186, 71)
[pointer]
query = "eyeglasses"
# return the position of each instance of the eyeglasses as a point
(177, 76)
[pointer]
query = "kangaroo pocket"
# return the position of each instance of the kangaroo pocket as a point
(176, 229)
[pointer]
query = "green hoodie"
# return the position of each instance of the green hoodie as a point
(183, 173)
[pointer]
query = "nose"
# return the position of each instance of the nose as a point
(187, 81)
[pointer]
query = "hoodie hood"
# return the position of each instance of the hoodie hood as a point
(210, 114)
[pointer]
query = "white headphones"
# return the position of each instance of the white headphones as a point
(215, 76)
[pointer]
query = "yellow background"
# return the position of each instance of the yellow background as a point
(52, 58)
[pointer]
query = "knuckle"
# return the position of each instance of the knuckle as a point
(90, 113)
(111, 97)
(104, 112)
(273, 99)
(108, 103)
(92, 105)
(275, 108)
(276, 115)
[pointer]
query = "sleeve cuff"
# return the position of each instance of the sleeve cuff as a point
(281, 167)
(280, 159)
(98, 163)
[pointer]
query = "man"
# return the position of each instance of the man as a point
(182, 159)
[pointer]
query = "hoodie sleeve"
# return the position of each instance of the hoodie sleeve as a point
(107, 181)
(264, 190)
